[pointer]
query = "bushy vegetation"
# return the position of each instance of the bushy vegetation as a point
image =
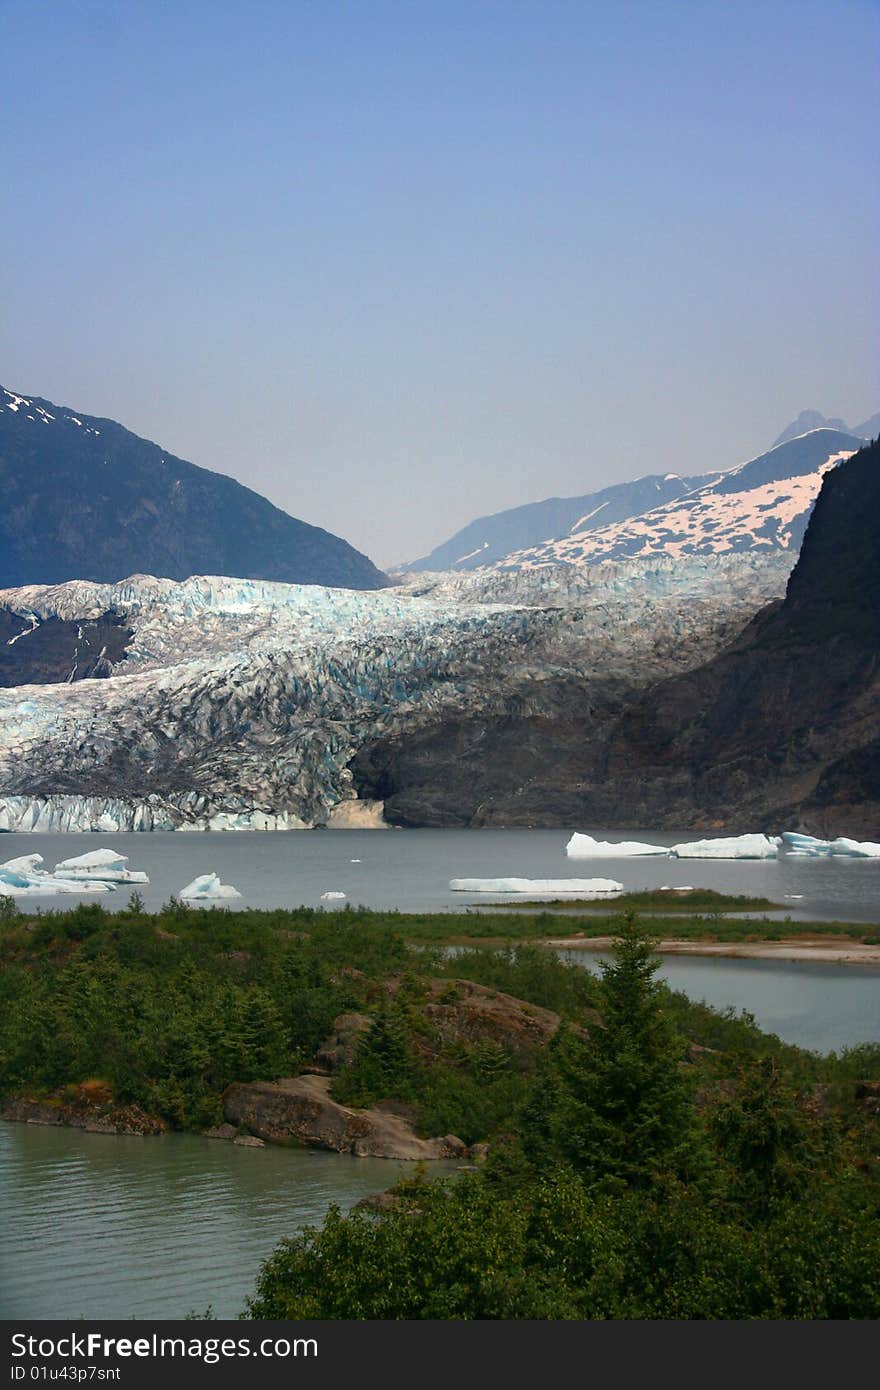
(621, 1192)
(657, 1159)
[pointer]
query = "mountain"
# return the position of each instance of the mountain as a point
(763, 504)
(869, 429)
(810, 420)
(490, 539)
(814, 420)
(782, 728)
(560, 530)
(84, 498)
(778, 730)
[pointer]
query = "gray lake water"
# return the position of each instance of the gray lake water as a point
(824, 1008)
(115, 1226)
(98, 1225)
(411, 869)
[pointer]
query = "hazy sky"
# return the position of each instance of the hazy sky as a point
(399, 264)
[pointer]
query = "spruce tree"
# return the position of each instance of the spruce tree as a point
(626, 1112)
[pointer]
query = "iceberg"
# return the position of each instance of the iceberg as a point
(16, 885)
(732, 847)
(584, 887)
(808, 847)
(208, 886)
(854, 849)
(585, 847)
(100, 865)
(95, 859)
(25, 864)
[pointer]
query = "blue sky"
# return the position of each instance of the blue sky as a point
(399, 264)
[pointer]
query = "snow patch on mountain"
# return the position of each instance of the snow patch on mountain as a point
(763, 504)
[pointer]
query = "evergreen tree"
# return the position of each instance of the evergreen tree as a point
(625, 1113)
(382, 1065)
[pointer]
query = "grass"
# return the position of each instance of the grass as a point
(654, 900)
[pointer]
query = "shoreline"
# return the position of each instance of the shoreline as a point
(822, 951)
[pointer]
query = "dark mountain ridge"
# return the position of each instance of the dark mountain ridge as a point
(84, 498)
(781, 730)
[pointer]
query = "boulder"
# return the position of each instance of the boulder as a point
(299, 1110)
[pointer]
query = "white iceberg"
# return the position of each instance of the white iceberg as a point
(208, 886)
(25, 864)
(585, 847)
(854, 849)
(95, 859)
(100, 865)
(583, 887)
(19, 885)
(332, 896)
(732, 847)
(807, 846)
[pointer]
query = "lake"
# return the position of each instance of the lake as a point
(98, 1225)
(411, 869)
(115, 1226)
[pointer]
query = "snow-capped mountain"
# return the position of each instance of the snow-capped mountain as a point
(84, 498)
(519, 534)
(244, 705)
(763, 504)
(491, 538)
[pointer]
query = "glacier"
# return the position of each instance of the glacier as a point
(241, 704)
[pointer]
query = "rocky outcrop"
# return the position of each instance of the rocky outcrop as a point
(461, 1011)
(298, 1110)
(59, 649)
(94, 1119)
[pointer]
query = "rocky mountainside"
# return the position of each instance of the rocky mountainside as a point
(234, 704)
(780, 729)
(84, 498)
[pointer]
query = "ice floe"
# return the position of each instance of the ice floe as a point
(208, 886)
(102, 866)
(731, 847)
(584, 887)
(854, 849)
(585, 847)
(809, 847)
(22, 877)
